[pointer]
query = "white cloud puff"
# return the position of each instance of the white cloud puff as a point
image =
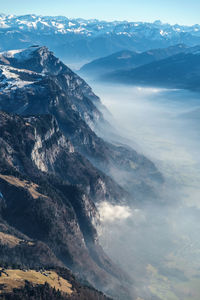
(111, 213)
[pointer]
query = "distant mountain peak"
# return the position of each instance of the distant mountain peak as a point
(89, 39)
(126, 59)
(158, 22)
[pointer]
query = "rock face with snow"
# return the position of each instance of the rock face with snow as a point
(78, 39)
(35, 68)
(41, 84)
(55, 170)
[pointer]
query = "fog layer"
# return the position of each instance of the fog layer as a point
(158, 243)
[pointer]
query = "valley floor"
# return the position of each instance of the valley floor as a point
(157, 243)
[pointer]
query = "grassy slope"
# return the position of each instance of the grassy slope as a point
(11, 279)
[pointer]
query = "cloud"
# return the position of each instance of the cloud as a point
(161, 234)
(111, 213)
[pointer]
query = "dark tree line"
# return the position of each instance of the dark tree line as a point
(45, 292)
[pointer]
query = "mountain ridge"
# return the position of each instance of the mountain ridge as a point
(127, 59)
(179, 71)
(81, 40)
(55, 170)
(71, 101)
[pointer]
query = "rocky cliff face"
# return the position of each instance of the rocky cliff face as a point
(54, 168)
(40, 207)
(35, 68)
(51, 153)
(51, 87)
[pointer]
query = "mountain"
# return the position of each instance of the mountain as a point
(45, 220)
(36, 62)
(126, 59)
(83, 40)
(49, 87)
(178, 71)
(55, 171)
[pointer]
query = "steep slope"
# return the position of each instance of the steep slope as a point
(52, 171)
(53, 154)
(125, 60)
(83, 40)
(35, 62)
(49, 87)
(51, 284)
(41, 213)
(178, 71)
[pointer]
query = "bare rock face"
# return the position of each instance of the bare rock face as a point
(41, 208)
(34, 81)
(54, 168)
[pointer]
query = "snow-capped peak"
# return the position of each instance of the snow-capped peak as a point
(93, 27)
(21, 54)
(76, 40)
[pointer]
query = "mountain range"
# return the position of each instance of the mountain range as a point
(55, 171)
(178, 71)
(84, 40)
(126, 59)
(173, 67)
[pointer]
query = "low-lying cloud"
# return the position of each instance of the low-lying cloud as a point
(158, 243)
(112, 213)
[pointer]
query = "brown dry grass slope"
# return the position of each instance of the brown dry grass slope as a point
(11, 279)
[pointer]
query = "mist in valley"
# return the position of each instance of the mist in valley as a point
(157, 242)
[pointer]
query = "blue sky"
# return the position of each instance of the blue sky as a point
(172, 11)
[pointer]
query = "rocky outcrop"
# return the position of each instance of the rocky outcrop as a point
(50, 152)
(41, 63)
(54, 89)
(54, 168)
(40, 205)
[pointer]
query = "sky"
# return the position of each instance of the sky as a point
(168, 11)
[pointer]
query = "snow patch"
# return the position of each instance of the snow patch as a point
(11, 53)
(20, 54)
(9, 79)
(70, 24)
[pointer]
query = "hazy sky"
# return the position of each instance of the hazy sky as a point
(172, 11)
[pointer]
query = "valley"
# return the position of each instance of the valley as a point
(157, 242)
(99, 167)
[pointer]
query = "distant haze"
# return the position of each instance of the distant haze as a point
(157, 243)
